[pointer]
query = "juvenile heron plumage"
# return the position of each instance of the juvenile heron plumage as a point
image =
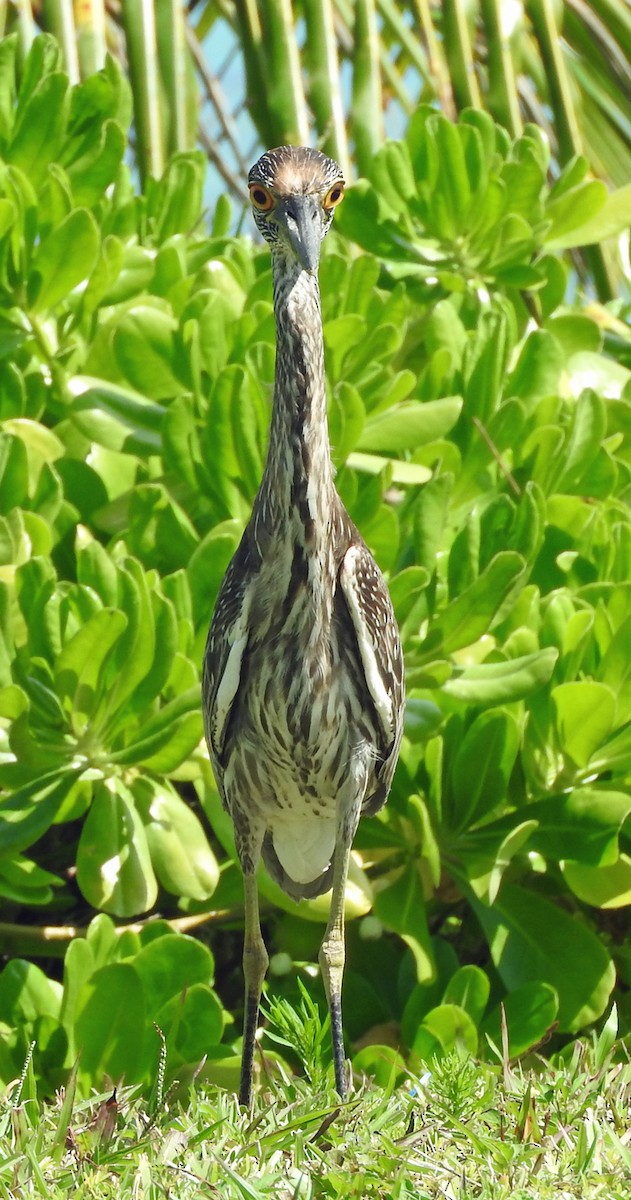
(303, 673)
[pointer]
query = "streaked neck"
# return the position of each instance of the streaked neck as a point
(298, 477)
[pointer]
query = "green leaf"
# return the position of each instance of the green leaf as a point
(346, 420)
(401, 472)
(23, 882)
(102, 939)
(538, 367)
(531, 1012)
(110, 1016)
(177, 199)
(79, 667)
(382, 1063)
(192, 1021)
(594, 373)
(450, 1027)
(208, 563)
(401, 906)
(482, 767)
(114, 868)
(40, 127)
(8, 55)
(180, 854)
(502, 682)
(614, 754)
(581, 825)
(585, 712)
(469, 988)
(582, 446)
(116, 417)
(26, 994)
(42, 445)
(532, 940)
(145, 351)
(79, 965)
(63, 260)
(471, 613)
(609, 220)
(175, 729)
(572, 210)
(96, 570)
(509, 847)
(607, 886)
(31, 809)
(136, 649)
(97, 168)
(408, 425)
(168, 966)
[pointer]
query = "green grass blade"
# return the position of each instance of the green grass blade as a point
(58, 1145)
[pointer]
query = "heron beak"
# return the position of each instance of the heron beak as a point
(300, 219)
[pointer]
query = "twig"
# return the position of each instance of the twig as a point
(510, 478)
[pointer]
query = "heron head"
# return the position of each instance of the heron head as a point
(294, 191)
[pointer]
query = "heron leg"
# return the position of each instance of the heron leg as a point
(332, 951)
(255, 963)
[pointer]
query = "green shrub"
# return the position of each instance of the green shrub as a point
(482, 437)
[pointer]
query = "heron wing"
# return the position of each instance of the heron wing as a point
(225, 650)
(372, 615)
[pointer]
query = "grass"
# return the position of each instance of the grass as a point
(464, 1129)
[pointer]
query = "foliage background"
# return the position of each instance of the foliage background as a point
(480, 425)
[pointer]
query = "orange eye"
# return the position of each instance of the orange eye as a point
(261, 198)
(334, 196)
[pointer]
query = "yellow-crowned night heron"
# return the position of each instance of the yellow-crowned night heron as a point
(303, 674)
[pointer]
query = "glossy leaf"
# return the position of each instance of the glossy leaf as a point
(530, 1011)
(447, 1027)
(406, 426)
(469, 988)
(110, 1013)
(502, 682)
(197, 1021)
(482, 767)
(168, 966)
(64, 259)
(401, 907)
(606, 886)
(532, 939)
(26, 994)
(145, 351)
(31, 809)
(584, 718)
(114, 868)
(470, 614)
(180, 854)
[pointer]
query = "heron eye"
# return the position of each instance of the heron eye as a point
(334, 196)
(261, 198)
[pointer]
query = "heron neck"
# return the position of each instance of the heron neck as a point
(298, 475)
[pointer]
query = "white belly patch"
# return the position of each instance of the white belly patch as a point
(304, 844)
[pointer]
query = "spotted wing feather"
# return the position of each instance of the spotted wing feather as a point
(370, 610)
(225, 652)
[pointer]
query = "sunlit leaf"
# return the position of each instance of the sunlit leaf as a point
(532, 939)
